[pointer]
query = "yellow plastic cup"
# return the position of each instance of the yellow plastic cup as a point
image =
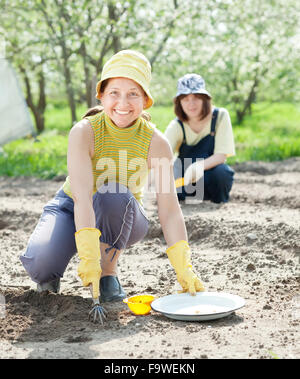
(140, 304)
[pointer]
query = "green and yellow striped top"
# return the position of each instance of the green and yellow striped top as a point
(120, 154)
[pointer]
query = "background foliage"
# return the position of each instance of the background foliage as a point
(248, 52)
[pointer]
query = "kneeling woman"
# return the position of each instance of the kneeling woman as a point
(201, 138)
(98, 212)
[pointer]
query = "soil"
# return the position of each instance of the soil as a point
(249, 246)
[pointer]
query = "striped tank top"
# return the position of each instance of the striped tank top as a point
(120, 154)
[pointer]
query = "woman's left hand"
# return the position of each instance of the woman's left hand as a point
(179, 255)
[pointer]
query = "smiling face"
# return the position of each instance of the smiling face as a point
(192, 106)
(123, 101)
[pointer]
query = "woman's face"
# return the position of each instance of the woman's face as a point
(123, 101)
(192, 105)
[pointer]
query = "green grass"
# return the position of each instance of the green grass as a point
(59, 118)
(44, 157)
(161, 116)
(271, 133)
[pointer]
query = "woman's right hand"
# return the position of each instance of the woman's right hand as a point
(194, 172)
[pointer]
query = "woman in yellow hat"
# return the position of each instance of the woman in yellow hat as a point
(98, 212)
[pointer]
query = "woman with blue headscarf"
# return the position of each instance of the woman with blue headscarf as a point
(201, 138)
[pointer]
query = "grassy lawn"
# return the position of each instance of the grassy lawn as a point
(271, 133)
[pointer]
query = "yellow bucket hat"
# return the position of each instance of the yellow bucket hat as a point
(128, 64)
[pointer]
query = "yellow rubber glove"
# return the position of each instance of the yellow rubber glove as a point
(88, 247)
(180, 258)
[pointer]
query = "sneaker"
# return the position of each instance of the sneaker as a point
(53, 286)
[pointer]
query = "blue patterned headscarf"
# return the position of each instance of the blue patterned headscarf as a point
(191, 83)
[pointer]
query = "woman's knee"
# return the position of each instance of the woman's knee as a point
(222, 174)
(41, 267)
(218, 183)
(50, 247)
(111, 198)
(118, 216)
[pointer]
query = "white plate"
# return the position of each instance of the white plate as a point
(204, 306)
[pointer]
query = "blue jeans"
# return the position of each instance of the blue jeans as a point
(119, 217)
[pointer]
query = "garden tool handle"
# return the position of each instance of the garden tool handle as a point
(95, 299)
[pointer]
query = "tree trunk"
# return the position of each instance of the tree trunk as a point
(113, 18)
(38, 110)
(42, 102)
(68, 81)
(61, 38)
(241, 113)
(87, 81)
(93, 83)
